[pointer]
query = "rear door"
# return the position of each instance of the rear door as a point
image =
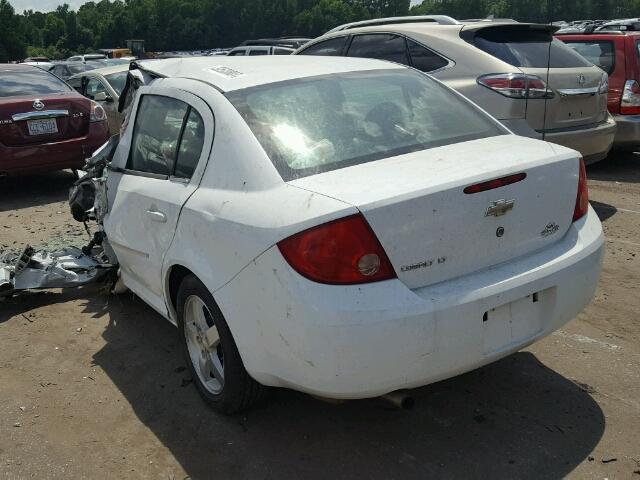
(94, 86)
(170, 143)
(577, 101)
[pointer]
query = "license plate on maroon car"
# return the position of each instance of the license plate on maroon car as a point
(42, 127)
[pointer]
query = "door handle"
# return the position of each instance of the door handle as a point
(157, 216)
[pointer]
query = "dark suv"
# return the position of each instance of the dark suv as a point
(617, 53)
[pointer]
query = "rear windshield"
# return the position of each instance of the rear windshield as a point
(117, 80)
(316, 124)
(28, 82)
(598, 52)
(527, 48)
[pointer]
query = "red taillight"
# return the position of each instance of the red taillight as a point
(630, 102)
(342, 252)
(582, 199)
(497, 183)
(516, 85)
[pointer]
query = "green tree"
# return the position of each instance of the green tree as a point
(12, 42)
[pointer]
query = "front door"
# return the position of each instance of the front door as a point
(170, 143)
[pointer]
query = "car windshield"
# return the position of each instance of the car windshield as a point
(29, 82)
(117, 80)
(317, 124)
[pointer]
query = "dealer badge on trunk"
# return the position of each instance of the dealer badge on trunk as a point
(550, 229)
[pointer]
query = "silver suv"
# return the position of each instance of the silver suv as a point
(499, 65)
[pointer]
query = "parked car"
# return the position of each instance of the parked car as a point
(45, 124)
(254, 50)
(103, 85)
(289, 42)
(501, 66)
(624, 25)
(87, 57)
(37, 59)
(317, 225)
(617, 53)
(65, 70)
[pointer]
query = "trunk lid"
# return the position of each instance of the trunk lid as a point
(576, 101)
(432, 231)
(69, 112)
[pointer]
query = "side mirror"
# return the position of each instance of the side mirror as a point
(102, 97)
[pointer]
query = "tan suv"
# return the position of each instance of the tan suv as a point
(499, 65)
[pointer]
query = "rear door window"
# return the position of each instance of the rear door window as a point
(94, 87)
(598, 52)
(380, 46)
(254, 52)
(167, 138)
(334, 47)
(529, 48)
(424, 59)
(28, 82)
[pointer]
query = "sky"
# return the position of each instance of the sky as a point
(48, 5)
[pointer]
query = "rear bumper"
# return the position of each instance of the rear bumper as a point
(367, 340)
(52, 156)
(593, 143)
(628, 132)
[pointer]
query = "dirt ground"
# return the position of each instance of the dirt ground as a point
(94, 386)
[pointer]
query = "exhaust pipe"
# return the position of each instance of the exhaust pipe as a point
(399, 399)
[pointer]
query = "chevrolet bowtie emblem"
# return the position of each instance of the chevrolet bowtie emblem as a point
(499, 208)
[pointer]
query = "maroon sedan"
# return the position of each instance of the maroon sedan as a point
(45, 124)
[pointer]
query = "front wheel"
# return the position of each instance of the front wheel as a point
(211, 353)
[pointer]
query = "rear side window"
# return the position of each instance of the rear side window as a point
(380, 46)
(94, 87)
(236, 53)
(28, 82)
(282, 51)
(527, 48)
(258, 52)
(424, 59)
(162, 125)
(332, 47)
(598, 52)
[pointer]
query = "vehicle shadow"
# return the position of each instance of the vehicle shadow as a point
(604, 210)
(513, 419)
(617, 167)
(29, 191)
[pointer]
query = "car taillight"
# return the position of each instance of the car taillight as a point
(516, 85)
(582, 199)
(341, 252)
(630, 103)
(97, 113)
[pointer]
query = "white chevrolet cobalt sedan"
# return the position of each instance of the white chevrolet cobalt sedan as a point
(340, 226)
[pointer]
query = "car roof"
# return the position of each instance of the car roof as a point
(17, 67)
(235, 73)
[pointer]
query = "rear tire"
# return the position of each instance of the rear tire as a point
(211, 353)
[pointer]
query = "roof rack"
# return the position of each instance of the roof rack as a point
(438, 19)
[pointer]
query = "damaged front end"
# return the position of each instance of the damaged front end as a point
(70, 266)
